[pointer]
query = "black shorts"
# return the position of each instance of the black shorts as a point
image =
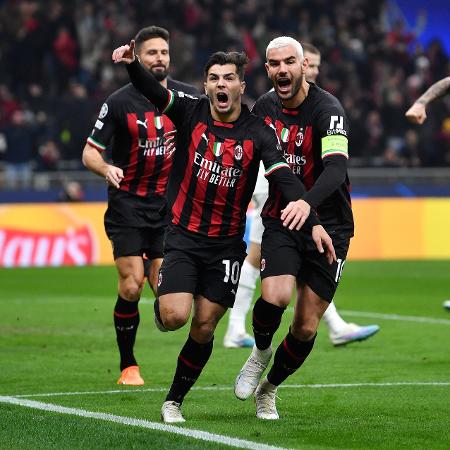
(284, 252)
(202, 266)
(135, 225)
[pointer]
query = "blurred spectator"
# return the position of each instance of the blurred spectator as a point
(60, 59)
(71, 192)
(18, 144)
(410, 151)
(48, 156)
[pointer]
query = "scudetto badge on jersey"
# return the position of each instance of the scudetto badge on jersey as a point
(103, 111)
(334, 145)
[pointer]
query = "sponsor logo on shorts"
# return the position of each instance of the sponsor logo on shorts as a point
(159, 279)
(263, 264)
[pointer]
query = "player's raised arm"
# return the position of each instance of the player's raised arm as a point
(277, 169)
(417, 113)
(143, 80)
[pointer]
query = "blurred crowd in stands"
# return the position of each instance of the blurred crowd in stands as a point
(57, 70)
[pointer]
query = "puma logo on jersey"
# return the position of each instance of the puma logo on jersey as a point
(205, 138)
(144, 124)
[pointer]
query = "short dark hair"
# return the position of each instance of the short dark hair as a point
(239, 59)
(307, 47)
(151, 32)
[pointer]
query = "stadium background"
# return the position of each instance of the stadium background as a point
(377, 57)
(58, 353)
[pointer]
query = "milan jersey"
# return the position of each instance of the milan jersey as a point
(213, 179)
(136, 130)
(313, 137)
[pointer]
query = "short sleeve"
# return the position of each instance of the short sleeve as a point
(104, 126)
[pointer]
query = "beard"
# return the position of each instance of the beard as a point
(295, 88)
(160, 74)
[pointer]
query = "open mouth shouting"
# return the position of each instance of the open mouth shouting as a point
(284, 85)
(222, 100)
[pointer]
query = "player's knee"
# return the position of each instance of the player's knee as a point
(203, 331)
(173, 319)
(303, 331)
(131, 288)
(278, 295)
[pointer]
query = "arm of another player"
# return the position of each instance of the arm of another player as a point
(417, 113)
(277, 169)
(296, 211)
(92, 160)
(142, 79)
(324, 242)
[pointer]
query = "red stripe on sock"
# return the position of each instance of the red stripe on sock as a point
(189, 364)
(291, 354)
(126, 316)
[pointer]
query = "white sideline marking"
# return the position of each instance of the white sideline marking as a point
(195, 434)
(398, 317)
(230, 388)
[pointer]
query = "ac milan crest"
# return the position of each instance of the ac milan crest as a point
(159, 279)
(238, 152)
(263, 264)
(299, 138)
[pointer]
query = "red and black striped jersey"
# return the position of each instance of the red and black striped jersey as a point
(216, 166)
(313, 137)
(135, 129)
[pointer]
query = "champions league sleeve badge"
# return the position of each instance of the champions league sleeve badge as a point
(103, 111)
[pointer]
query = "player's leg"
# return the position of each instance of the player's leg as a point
(293, 351)
(193, 356)
(152, 272)
(128, 240)
(236, 335)
(153, 268)
(177, 282)
(317, 284)
(153, 257)
(341, 332)
(279, 263)
(215, 289)
(126, 315)
(267, 313)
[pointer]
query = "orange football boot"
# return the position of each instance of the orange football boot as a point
(131, 376)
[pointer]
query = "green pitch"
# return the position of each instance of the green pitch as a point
(391, 391)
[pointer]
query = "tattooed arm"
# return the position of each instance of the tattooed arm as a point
(417, 114)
